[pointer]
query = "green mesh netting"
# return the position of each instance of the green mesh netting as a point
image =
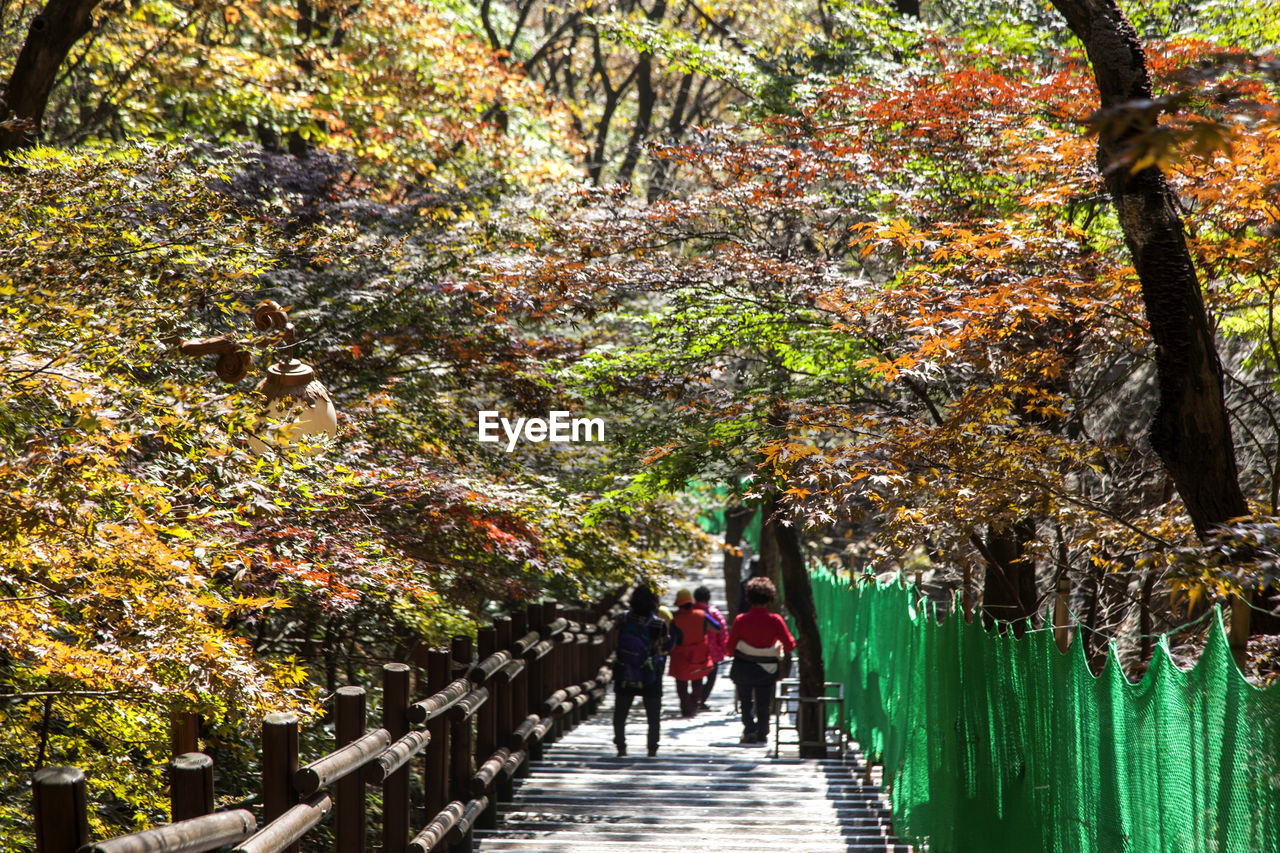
(997, 744)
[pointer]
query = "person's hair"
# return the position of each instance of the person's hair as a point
(643, 600)
(760, 591)
(702, 594)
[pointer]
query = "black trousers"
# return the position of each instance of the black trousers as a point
(690, 693)
(757, 702)
(709, 683)
(622, 700)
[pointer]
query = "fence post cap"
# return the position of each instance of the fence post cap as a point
(58, 776)
(191, 761)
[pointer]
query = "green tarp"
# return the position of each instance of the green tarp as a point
(996, 744)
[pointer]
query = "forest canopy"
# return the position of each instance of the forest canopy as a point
(887, 273)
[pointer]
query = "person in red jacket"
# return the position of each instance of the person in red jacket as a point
(758, 640)
(690, 655)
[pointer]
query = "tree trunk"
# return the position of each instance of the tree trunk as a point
(595, 167)
(646, 99)
(1009, 590)
(1190, 432)
(1146, 623)
(612, 95)
(1094, 647)
(659, 168)
(771, 556)
(736, 519)
(798, 596)
(52, 34)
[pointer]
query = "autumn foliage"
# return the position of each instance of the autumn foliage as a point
(858, 268)
(906, 300)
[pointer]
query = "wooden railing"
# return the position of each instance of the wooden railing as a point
(485, 717)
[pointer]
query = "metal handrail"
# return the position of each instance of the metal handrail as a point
(784, 698)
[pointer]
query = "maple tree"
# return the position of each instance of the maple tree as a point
(135, 511)
(1190, 431)
(127, 474)
(51, 34)
(873, 277)
(630, 73)
(393, 83)
(918, 270)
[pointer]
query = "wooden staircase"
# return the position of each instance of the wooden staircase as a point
(703, 792)
(578, 802)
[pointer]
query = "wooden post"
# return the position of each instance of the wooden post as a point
(1238, 631)
(589, 666)
(190, 786)
(349, 724)
(506, 722)
(572, 718)
(421, 654)
(553, 680)
(436, 784)
(487, 723)
(486, 718)
(505, 702)
(460, 747)
(537, 690)
(1146, 621)
(395, 790)
(574, 673)
(279, 763)
(184, 733)
(579, 656)
(520, 707)
(1061, 614)
(61, 809)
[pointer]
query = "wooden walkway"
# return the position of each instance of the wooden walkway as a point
(703, 791)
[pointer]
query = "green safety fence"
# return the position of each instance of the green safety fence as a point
(991, 743)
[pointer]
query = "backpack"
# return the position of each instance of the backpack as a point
(639, 663)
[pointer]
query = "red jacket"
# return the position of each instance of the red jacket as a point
(759, 627)
(691, 658)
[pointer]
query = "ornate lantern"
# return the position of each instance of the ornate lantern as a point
(293, 396)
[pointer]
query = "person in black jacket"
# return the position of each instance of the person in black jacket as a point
(643, 643)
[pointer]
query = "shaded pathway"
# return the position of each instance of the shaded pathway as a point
(703, 791)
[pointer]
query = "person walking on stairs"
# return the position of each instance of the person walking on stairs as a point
(758, 640)
(690, 654)
(643, 641)
(715, 642)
